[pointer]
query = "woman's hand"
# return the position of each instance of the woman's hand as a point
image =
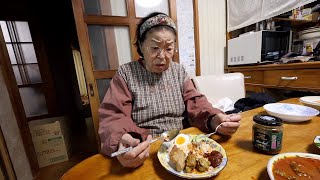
(136, 156)
(230, 125)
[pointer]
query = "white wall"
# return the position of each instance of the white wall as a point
(212, 33)
(11, 134)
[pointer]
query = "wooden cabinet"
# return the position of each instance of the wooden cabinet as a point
(304, 78)
(297, 76)
(255, 77)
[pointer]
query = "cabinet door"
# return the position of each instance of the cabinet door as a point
(106, 34)
(307, 79)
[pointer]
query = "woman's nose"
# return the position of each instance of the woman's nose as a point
(161, 54)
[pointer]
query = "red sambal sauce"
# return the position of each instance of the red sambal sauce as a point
(296, 168)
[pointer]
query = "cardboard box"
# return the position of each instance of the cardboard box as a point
(51, 140)
(51, 150)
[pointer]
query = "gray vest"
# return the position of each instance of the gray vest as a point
(157, 98)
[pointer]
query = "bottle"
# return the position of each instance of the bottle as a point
(267, 132)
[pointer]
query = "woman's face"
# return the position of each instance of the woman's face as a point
(158, 50)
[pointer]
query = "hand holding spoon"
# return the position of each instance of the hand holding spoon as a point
(165, 137)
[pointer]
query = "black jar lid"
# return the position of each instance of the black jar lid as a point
(267, 120)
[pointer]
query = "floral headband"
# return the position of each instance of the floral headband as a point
(160, 19)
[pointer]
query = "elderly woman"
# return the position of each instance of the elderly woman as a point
(154, 94)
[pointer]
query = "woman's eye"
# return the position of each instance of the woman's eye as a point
(169, 49)
(155, 48)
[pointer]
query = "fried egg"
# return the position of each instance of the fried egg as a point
(182, 141)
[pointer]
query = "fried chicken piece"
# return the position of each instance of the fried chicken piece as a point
(177, 157)
(191, 163)
(203, 165)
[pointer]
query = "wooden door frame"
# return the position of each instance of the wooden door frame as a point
(84, 44)
(196, 36)
(17, 106)
(82, 21)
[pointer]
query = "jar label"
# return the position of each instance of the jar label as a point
(267, 140)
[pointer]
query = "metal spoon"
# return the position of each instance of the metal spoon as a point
(165, 137)
(215, 131)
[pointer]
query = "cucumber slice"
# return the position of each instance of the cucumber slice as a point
(199, 138)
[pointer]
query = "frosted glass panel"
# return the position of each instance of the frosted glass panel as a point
(105, 7)
(23, 31)
(28, 53)
(33, 73)
(103, 86)
(17, 74)
(5, 31)
(145, 7)
(110, 46)
(11, 54)
(33, 101)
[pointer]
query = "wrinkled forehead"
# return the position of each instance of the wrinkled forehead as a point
(162, 41)
(161, 36)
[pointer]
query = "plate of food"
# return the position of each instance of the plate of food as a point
(193, 156)
(294, 165)
(291, 112)
(312, 101)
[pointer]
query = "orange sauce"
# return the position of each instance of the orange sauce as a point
(296, 168)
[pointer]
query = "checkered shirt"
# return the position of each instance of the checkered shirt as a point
(157, 98)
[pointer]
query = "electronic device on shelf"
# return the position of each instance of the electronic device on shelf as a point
(258, 47)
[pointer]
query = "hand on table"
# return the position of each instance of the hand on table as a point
(230, 125)
(137, 155)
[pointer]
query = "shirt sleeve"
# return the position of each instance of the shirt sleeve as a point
(198, 108)
(115, 116)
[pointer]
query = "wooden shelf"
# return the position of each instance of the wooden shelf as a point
(302, 65)
(295, 22)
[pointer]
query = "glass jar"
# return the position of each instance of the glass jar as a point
(267, 134)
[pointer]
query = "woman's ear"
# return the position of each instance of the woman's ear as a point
(140, 46)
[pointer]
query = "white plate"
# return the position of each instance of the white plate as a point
(163, 157)
(312, 101)
(291, 112)
(284, 155)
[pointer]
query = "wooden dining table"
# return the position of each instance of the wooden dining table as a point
(244, 162)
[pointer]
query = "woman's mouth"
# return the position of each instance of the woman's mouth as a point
(160, 65)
